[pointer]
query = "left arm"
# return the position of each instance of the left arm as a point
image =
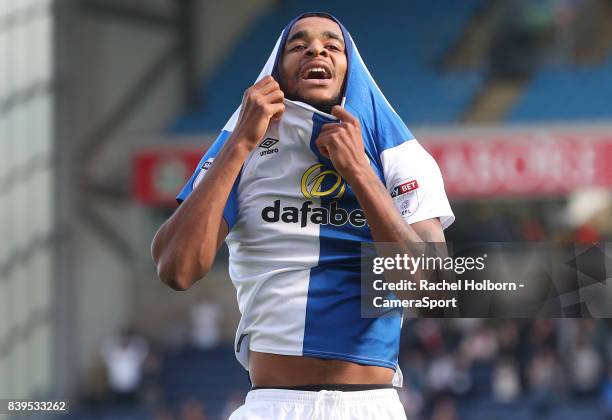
(343, 145)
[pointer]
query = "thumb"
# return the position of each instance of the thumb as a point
(342, 114)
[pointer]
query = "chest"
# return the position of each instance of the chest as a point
(285, 187)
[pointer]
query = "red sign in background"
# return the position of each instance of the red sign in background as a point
(523, 165)
(158, 173)
(483, 165)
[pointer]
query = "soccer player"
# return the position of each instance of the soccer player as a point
(313, 163)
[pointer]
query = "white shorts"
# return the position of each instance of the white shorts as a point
(281, 404)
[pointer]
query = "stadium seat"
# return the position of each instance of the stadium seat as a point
(402, 46)
(567, 93)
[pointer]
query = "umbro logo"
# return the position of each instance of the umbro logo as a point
(267, 145)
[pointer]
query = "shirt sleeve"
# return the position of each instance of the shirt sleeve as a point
(230, 212)
(415, 183)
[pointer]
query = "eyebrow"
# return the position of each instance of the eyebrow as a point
(304, 34)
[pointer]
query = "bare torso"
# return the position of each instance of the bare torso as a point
(273, 370)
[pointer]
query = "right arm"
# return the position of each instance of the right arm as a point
(185, 246)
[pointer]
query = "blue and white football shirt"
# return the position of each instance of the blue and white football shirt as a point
(296, 227)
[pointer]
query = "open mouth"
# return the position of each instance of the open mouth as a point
(316, 72)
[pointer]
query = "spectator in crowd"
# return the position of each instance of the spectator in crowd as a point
(430, 336)
(192, 409)
(585, 370)
(441, 375)
(506, 381)
(444, 409)
(205, 331)
(542, 335)
(124, 357)
(480, 345)
(508, 339)
(543, 379)
(448, 363)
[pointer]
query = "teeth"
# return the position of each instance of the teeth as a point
(315, 70)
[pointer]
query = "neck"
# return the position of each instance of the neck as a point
(323, 106)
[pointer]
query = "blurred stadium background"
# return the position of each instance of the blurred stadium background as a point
(106, 106)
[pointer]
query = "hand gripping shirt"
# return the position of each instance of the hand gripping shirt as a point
(296, 227)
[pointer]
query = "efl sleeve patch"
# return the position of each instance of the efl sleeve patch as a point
(404, 187)
(405, 196)
(415, 183)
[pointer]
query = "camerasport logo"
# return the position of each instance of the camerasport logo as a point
(267, 145)
(317, 181)
(202, 172)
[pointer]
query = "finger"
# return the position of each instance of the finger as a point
(269, 88)
(331, 126)
(324, 152)
(264, 81)
(275, 96)
(270, 85)
(330, 139)
(343, 115)
(323, 149)
(275, 110)
(262, 84)
(324, 144)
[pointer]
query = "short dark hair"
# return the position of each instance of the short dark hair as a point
(317, 14)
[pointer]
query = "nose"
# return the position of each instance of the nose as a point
(316, 48)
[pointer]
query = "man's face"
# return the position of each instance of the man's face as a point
(313, 65)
